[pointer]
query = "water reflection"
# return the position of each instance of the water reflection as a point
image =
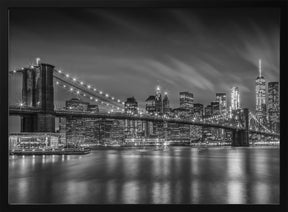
(111, 188)
(195, 196)
(235, 192)
(180, 175)
(130, 192)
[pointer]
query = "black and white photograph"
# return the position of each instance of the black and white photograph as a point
(144, 106)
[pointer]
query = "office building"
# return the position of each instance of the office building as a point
(150, 104)
(198, 110)
(273, 106)
(158, 101)
(208, 111)
(131, 106)
(221, 98)
(166, 105)
(235, 98)
(261, 97)
(215, 108)
(186, 100)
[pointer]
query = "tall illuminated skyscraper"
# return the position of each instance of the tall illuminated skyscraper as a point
(166, 106)
(221, 98)
(261, 96)
(158, 100)
(235, 98)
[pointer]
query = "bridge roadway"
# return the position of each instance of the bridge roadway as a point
(68, 113)
(14, 110)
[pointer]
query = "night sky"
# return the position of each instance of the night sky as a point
(124, 52)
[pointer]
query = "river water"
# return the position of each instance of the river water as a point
(220, 175)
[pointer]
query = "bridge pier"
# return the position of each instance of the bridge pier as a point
(203, 134)
(28, 123)
(38, 123)
(240, 138)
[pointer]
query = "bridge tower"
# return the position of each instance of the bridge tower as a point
(38, 91)
(240, 137)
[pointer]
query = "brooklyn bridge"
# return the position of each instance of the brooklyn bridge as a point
(38, 112)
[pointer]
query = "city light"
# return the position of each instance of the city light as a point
(37, 60)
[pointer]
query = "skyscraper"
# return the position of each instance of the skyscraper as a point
(158, 100)
(260, 97)
(208, 111)
(150, 104)
(235, 98)
(131, 106)
(221, 98)
(166, 106)
(215, 107)
(198, 110)
(273, 106)
(186, 100)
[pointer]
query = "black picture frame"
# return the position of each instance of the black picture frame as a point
(6, 5)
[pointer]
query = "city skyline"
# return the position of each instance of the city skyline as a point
(194, 50)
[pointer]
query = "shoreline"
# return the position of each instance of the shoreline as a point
(84, 152)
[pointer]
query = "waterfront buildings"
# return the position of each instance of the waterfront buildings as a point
(261, 97)
(273, 106)
(35, 140)
(76, 130)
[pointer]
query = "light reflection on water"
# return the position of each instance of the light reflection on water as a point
(128, 176)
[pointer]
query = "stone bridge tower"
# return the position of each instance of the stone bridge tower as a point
(241, 137)
(38, 92)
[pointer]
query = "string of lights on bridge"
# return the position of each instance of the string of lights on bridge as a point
(92, 88)
(91, 98)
